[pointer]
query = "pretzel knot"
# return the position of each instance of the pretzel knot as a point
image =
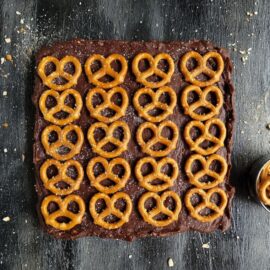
(202, 102)
(111, 210)
(160, 209)
(63, 211)
(106, 70)
(51, 183)
(142, 76)
(146, 181)
(205, 136)
(217, 209)
(264, 185)
(108, 174)
(166, 109)
(98, 111)
(202, 68)
(157, 138)
(120, 145)
(59, 72)
(55, 149)
(49, 113)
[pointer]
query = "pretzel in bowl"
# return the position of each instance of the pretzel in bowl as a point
(49, 113)
(106, 69)
(217, 141)
(63, 211)
(119, 144)
(202, 68)
(107, 103)
(108, 174)
(110, 210)
(157, 138)
(143, 76)
(146, 181)
(150, 216)
(217, 209)
(202, 102)
(166, 109)
(263, 187)
(54, 148)
(59, 72)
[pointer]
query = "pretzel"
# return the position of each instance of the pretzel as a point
(190, 109)
(96, 181)
(205, 135)
(59, 72)
(157, 138)
(106, 69)
(144, 111)
(100, 218)
(96, 111)
(49, 114)
(142, 76)
(62, 176)
(217, 177)
(265, 174)
(202, 68)
(63, 211)
(52, 149)
(149, 216)
(121, 146)
(206, 203)
(264, 191)
(145, 181)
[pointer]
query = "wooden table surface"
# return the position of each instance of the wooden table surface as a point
(241, 26)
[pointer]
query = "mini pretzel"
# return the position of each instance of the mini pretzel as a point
(106, 69)
(121, 146)
(217, 177)
(202, 68)
(63, 211)
(264, 191)
(190, 109)
(145, 181)
(49, 114)
(217, 210)
(142, 76)
(100, 218)
(96, 181)
(96, 111)
(52, 149)
(205, 135)
(144, 111)
(149, 216)
(62, 176)
(59, 72)
(157, 138)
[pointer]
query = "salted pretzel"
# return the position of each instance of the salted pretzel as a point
(202, 68)
(62, 176)
(106, 69)
(217, 210)
(96, 111)
(142, 76)
(146, 181)
(96, 180)
(202, 102)
(53, 148)
(49, 113)
(121, 145)
(144, 111)
(59, 72)
(216, 177)
(63, 211)
(110, 210)
(161, 208)
(217, 141)
(157, 138)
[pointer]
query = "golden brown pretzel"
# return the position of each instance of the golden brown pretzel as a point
(264, 191)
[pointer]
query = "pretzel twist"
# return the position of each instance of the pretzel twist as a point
(264, 185)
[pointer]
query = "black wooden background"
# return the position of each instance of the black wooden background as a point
(242, 26)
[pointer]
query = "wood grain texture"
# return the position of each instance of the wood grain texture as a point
(23, 245)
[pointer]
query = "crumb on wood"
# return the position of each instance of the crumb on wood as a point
(23, 157)
(5, 150)
(268, 126)
(129, 256)
(9, 57)
(6, 219)
(170, 262)
(206, 245)
(4, 93)
(7, 40)
(5, 125)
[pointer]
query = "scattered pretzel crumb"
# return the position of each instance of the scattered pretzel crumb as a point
(7, 40)
(5, 150)
(5, 125)
(4, 93)
(23, 157)
(2, 60)
(206, 245)
(9, 57)
(18, 12)
(129, 256)
(6, 219)
(170, 262)
(237, 237)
